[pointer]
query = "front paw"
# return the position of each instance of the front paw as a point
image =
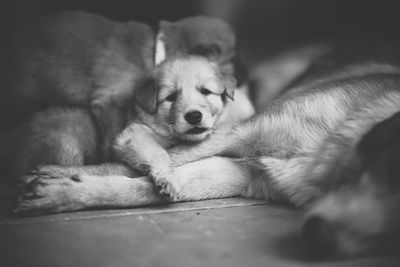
(42, 192)
(166, 186)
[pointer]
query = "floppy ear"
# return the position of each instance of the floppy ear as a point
(146, 95)
(229, 84)
(211, 51)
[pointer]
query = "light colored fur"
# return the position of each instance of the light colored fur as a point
(291, 152)
(165, 127)
(282, 145)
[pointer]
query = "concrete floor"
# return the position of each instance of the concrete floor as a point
(228, 232)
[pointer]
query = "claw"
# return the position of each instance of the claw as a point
(76, 178)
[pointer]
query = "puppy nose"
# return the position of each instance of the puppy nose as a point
(193, 117)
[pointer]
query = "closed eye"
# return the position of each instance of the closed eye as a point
(205, 91)
(172, 97)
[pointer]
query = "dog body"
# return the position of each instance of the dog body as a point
(74, 59)
(76, 68)
(304, 145)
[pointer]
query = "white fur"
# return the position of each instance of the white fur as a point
(160, 54)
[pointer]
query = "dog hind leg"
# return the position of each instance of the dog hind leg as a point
(286, 178)
(56, 136)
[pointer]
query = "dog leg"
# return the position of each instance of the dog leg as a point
(104, 169)
(51, 194)
(210, 178)
(109, 105)
(144, 153)
(215, 177)
(288, 178)
(216, 144)
(109, 118)
(54, 171)
(54, 188)
(59, 136)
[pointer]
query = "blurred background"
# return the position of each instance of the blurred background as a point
(265, 26)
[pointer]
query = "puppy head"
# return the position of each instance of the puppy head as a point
(207, 37)
(185, 98)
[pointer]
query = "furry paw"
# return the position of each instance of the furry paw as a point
(166, 187)
(41, 192)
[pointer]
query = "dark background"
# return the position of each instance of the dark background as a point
(270, 25)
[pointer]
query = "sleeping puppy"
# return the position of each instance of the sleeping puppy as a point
(185, 100)
(76, 68)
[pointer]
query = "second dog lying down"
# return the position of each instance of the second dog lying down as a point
(303, 145)
(90, 65)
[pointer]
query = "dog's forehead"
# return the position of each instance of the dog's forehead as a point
(187, 72)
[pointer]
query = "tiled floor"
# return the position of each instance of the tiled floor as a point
(229, 232)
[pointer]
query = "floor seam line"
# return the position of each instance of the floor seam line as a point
(128, 213)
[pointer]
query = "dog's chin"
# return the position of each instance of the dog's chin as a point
(195, 134)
